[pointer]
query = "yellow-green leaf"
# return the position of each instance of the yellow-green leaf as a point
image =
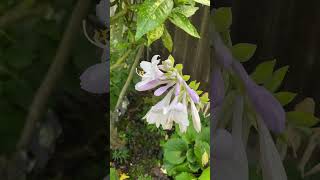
(167, 40)
(155, 34)
(243, 51)
(184, 23)
(151, 14)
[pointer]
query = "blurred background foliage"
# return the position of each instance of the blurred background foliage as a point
(27, 48)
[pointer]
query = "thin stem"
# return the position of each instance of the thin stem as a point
(120, 60)
(130, 76)
(118, 15)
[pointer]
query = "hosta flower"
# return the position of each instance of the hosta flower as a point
(152, 76)
(158, 114)
(173, 108)
(102, 12)
(217, 84)
(195, 117)
(177, 113)
(263, 101)
(95, 78)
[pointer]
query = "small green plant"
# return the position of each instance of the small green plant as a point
(187, 154)
(120, 155)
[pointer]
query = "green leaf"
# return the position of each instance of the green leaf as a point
(285, 97)
(184, 176)
(205, 174)
(204, 135)
(194, 167)
(301, 119)
(200, 148)
(243, 51)
(190, 156)
(175, 151)
(155, 34)
(151, 14)
(205, 97)
(174, 157)
(222, 19)
(186, 10)
(204, 2)
(183, 22)
(176, 144)
(263, 72)
(274, 83)
(167, 40)
(186, 77)
(113, 174)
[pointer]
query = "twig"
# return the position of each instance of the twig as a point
(132, 71)
(42, 95)
(120, 60)
(118, 15)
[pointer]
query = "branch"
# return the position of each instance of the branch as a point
(40, 100)
(120, 60)
(130, 76)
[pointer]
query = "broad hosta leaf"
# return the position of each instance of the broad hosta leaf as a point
(190, 156)
(274, 83)
(155, 34)
(204, 2)
(263, 72)
(285, 97)
(184, 23)
(194, 167)
(271, 163)
(176, 144)
(185, 176)
(243, 51)
(303, 119)
(222, 19)
(205, 174)
(175, 150)
(186, 10)
(174, 157)
(200, 148)
(167, 40)
(151, 14)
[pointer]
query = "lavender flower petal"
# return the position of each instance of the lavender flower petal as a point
(194, 96)
(95, 78)
(268, 107)
(147, 85)
(102, 12)
(217, 90)
(223, 54)
(162, 89)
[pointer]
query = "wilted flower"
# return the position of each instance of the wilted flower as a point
(174, 106)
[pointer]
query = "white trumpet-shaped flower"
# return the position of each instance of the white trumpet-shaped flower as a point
(152, 76)
(178, 113)
(173, 108)
(195, 117)
(158, 114)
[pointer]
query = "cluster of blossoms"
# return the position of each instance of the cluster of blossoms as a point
(174, 107)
